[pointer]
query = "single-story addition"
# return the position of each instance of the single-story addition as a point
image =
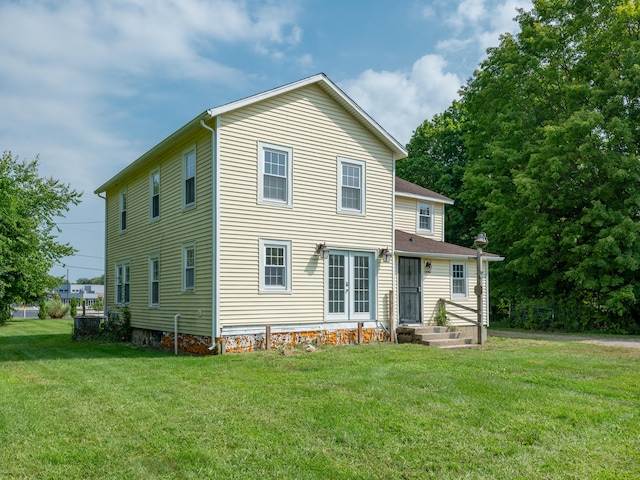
(276, 220)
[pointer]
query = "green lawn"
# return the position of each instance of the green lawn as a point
(513, 409)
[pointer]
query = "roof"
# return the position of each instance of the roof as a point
(411, 243)
(408, 189)
(320, 79)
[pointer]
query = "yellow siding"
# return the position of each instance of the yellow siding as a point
(165, 238)
(407, 217)
(437, 284)
(318, 131)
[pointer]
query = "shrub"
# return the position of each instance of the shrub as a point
(117, 330)
(97, 305)
(57, 309)
(42, 310)
(74, 307)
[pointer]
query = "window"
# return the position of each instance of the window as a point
(425, 217)
(275, 174)
(350, 291)
(351, 186)
(189, 267)
(155, 194)
(189, 175)
(458, 280)
(123, 280)
(275, 266)
(154, 281)
(123, 210)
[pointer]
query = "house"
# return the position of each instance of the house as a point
(88, 293)
(270, 217)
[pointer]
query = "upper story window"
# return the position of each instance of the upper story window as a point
(458, 280)
(155, 194)
(275, 174)
(123, 281)
(123, 210)
(275, 266)
(189, 267)
(351, 186)
(425, 217)
(189, 177)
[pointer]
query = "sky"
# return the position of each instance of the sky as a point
(89, 86)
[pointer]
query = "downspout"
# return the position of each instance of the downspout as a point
(104, 300)
(215, 234)
(392, 318)
(175, 332)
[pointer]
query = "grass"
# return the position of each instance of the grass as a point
(513, 409)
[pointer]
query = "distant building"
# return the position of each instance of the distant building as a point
(88, 293)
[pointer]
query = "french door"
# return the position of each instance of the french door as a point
(350, 285)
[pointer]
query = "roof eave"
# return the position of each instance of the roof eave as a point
(447, 201)
(454, 256)
(140, 161)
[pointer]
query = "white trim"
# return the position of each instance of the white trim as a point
(154, 172)
(432, 208)
(152, 258)
(363, 186)
(186, 247)
(465, 268)
(185, 154)
(330, 88)
(262, 146)
(349, 314)
(449, 256)
(286, 244)
(425, 198)
(229, 330)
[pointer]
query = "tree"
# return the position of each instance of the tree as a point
(552, 128)
(91, 281)
(437, 160)
(28, 244)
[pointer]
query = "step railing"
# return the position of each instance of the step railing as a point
(444, 302)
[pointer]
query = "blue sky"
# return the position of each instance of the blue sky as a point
(91, 85)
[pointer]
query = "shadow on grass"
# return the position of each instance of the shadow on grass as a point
(62, 347)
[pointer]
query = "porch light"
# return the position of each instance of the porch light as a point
(385, 254)
(427, 266)
(322, 250)
(479, 242)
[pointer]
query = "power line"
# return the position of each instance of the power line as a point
(76, 223)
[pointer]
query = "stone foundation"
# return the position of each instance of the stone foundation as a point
(200, 344)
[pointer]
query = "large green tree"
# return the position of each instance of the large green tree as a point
(28, 243)
(553, 132)
(437, 160)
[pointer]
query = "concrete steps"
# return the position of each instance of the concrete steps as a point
(434, 336)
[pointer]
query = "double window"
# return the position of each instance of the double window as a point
(458, 280)
(155, 194)
(188, 267)
(189, 177)
(154, 280)
(350, 286)
(351, 186)
(275, 174)
(123, 283)
(275, 266)
(425, 217)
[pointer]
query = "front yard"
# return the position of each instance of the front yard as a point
(512, 409)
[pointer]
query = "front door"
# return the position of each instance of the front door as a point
(410, 286)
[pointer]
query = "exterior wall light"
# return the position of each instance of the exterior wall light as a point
(427, 266)
(386, 254)
(322, 250)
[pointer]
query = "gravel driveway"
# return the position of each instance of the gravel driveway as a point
(593, 339)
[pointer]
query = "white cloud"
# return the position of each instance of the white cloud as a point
(401, 100)
(66, 67)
